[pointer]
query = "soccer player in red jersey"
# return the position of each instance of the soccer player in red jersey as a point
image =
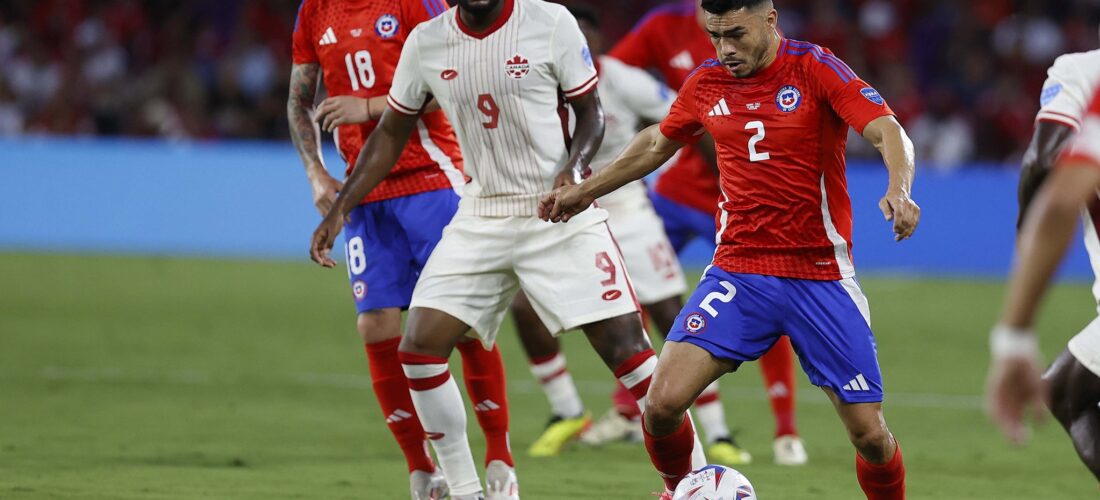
(779, 112)
(670, 40)
(354, 45)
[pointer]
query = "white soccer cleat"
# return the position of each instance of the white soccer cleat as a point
(612, 427)
(500, 482)
(789, 450)
(427, 486)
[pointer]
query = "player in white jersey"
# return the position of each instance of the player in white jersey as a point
(629, 97)
(1073, 380)
(498, 69)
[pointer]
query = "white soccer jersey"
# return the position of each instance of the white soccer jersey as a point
(502, 91)
(629, 97)
(1068, 88)
(1070, 85)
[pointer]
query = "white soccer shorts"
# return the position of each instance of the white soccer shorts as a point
(1085, 346)
(572, 273)
(654, 268)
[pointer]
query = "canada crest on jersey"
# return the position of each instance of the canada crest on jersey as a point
(517, 67)
(386, 26)
(788, 98)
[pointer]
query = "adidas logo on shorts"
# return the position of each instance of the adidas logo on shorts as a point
(857, 384)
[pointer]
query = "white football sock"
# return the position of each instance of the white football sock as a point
(443, 415)
(712, 416)
(558, 385)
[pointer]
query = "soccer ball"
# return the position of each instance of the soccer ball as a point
(715, 482)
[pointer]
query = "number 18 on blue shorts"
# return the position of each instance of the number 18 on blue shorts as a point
(738, 317)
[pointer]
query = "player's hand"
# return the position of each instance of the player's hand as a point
(564, 202)
(900, 208)
(567, 177)
(1013, 390)
(320, 247)
(325, 188)
(341, 110)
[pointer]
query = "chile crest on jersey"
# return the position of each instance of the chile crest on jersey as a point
(386, 26)
(788, 98)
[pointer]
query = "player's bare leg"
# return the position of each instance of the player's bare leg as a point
(568, 418)
(709, 413)
(682, 373)
(1073, 396)
(431, 336)
(380, 330)
(880, 468)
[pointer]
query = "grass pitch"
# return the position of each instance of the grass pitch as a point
(161, 378)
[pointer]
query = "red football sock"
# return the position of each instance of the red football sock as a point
(777, 366)
(625, 403)
(392, 390)
(484, 374)
(671, 454)
(882, 481)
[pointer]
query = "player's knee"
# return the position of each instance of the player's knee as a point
(664, 411)
(871, 441)
(377, 326)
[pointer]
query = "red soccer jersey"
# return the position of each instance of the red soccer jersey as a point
(357, 43)
(670, 40)
(780, 137)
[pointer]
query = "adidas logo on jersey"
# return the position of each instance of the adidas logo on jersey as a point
(857, 384)
(720, 109)
(328, 38)
(397, 416)
(682, 61)
(487, 405)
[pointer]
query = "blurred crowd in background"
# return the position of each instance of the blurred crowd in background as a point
(963, 76)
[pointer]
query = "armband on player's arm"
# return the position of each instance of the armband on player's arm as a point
(646, 152)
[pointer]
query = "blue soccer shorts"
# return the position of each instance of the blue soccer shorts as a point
(738, 317)
(387, 243)
(683, 223)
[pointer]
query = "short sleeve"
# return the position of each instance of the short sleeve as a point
(302, 50)
(646, 97)
(682, 123)
(634, 48)
(1064, 97)
(1085, 147)
(572, 60)
(408, 92)
(853, 100)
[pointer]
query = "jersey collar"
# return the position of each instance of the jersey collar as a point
(505, 14)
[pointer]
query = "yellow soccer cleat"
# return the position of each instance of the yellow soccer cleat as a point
(725, 451)
(559, 432)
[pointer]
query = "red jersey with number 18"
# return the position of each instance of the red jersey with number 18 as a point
(357, 44)
(780, 136)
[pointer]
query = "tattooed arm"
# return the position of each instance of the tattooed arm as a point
(306, 134)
